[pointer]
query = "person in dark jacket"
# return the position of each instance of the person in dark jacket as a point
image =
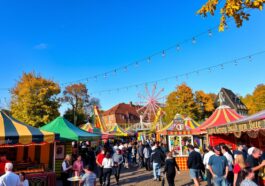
(170, 169)
(141, 155)
(157, 157)
(194, 164)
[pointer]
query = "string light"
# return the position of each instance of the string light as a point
(178, 47)
(235, 62)
(210, 33)
(149, 60)
(136, 64)
(163, 53)
(210, 68)
(105, 76)
(193, 40)
(125, 69)
(249, 59)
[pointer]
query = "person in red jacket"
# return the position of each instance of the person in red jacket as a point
(3, 162)
(99, 160)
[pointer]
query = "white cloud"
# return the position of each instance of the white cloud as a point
(41, 46)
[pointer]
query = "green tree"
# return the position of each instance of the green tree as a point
(34, 99)
(205, 104)
(181, 101)
(77, 96)
(237, 9)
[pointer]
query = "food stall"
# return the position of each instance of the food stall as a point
(31, 150)
(178, 136)
(68, 133)
(249, 131)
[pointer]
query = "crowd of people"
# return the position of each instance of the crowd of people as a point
(221, 166)
(110, 159)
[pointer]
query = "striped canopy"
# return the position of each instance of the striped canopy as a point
(171, 128)
(89, 128)
(116, 130)
(190, 123)
(14, 132)
(222, 115)
(68, 131)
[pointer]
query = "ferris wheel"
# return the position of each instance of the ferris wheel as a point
(150, 103)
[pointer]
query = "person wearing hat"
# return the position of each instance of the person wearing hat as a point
(218, 166)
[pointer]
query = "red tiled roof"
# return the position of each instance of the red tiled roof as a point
(122, 108)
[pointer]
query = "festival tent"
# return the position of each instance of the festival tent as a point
(222, 115)
(89, 128)
(190, 123)
(14, 132)
(69, 131)
(176, 127)
(116, 130)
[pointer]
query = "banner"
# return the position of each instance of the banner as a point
(237, 127)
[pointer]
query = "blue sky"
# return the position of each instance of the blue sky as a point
(69, 40)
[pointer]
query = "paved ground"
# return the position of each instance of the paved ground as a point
(141, 177)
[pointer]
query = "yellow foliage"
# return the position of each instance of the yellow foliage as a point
(33, 100)
(231, 8)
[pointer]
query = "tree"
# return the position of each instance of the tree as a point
(182, 102)
(205, 104)
(256, 101)
(34, 101)
(231, 8)
(81, 104)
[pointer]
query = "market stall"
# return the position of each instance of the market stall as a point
(68, 133)
(30, 149)
(178, 136)
(249, 130)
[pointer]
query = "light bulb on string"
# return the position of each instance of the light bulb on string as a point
(210, 34)
(114, 72)
(125, 69)
(163, 53)
(235, 63)
(222, 67)
(249, 59)
(210, 70)
(136, 64)
(149, 60)
(105, 76)
(193, 40)
(178, 47)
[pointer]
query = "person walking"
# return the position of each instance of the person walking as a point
(170, 169)
(147, 154)
(218, 167)
(134, 154)
(66, 170)
(157, 157)
(9, 178)
(118, 161)
(194, 164)
(89, 178)
(107, 164)
(99, 160)
(205, 162)
(140, 155)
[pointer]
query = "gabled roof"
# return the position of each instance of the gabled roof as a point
(122, 108)
(232, 99)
